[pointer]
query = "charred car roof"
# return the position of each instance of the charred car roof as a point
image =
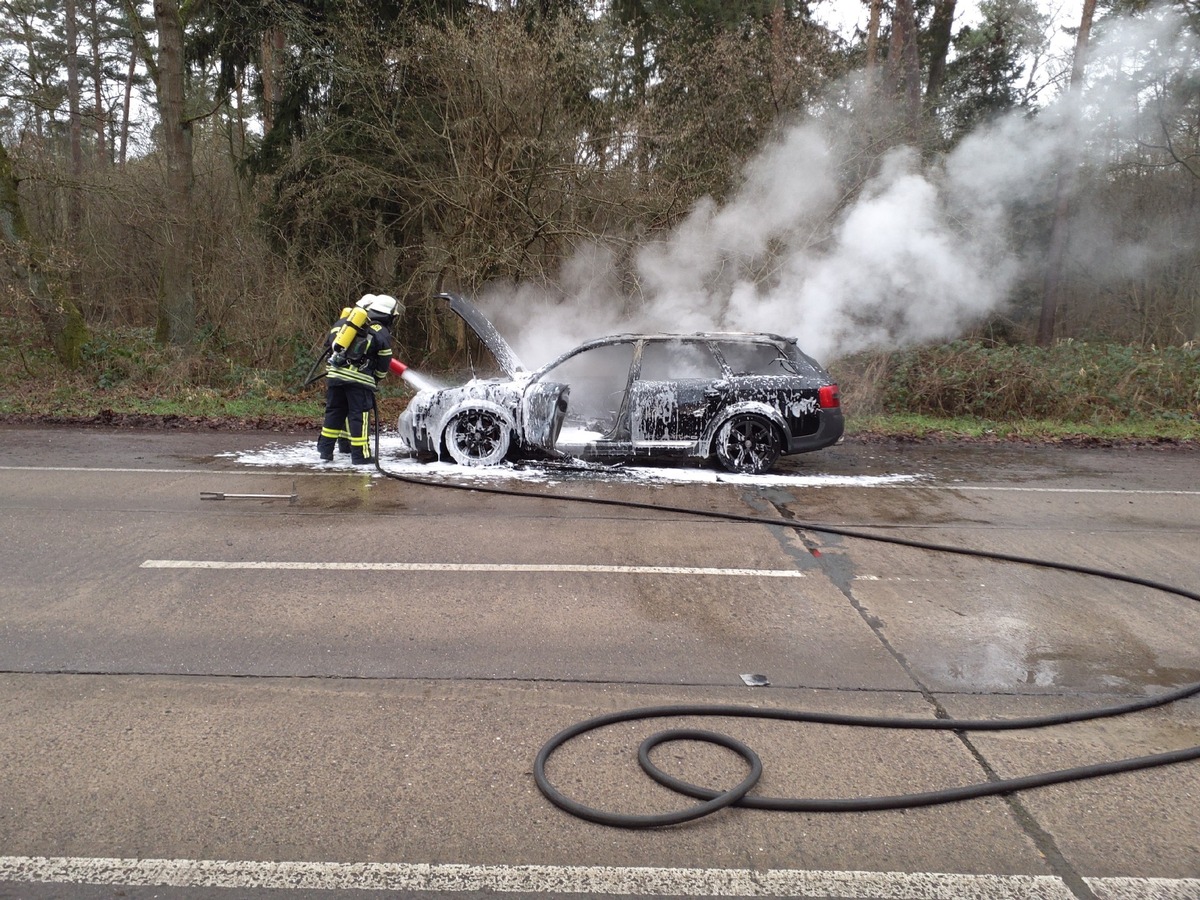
(511, 364)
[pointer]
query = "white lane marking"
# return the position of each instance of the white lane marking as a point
(874, 486)
(1046, 490)
(130, 471)
(1145, 888)
(467, 567)
(621, 880)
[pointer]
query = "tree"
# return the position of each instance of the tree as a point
(903, 78)
(941, 29)
(34, 59)
(60, 317)
(1064, 183)
(76, 122)
(110, 47)
(97, 79)
(131, 78)
(873, 21)
(176, 293)
(982, 80)
(718, 95)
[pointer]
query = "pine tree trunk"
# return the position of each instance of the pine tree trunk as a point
(126, 107)
(75, 186)
(270, 64)
(73, 113)
(940, 31)
(1064, 186)
(873, 36)
(904, 65)
(176, 297)
(102, 158)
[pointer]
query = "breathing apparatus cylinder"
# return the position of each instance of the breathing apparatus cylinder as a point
(356, 321)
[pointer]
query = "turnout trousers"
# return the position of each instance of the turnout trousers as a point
(347, 407)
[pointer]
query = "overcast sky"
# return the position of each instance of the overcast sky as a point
(844, 15)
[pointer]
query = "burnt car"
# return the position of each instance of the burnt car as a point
(743, 399)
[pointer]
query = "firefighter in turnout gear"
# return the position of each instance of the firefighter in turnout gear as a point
(360, 345)
(343, 438)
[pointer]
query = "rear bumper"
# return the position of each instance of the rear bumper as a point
(833, 425)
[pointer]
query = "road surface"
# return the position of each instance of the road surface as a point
(332, 684)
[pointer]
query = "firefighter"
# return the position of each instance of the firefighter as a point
(343, 438)
(361, 351)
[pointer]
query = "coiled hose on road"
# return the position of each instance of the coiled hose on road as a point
(712, 800)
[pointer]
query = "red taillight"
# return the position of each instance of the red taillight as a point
(829, 397)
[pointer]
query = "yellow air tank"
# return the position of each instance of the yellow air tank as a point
(355, 322)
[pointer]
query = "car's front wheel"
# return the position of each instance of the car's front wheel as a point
(477, 437)
(747, 444)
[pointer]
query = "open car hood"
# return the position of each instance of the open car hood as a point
(486, 332)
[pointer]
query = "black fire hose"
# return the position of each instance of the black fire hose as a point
(313, 373)
(713, 800)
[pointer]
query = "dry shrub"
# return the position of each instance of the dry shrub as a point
(863, 380)
(255, 305)
(1069, 382)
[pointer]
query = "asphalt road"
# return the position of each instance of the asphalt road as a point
(340, 691)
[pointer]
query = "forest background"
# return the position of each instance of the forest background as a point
(991, 220)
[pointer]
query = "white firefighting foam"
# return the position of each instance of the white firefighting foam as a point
(304, 455)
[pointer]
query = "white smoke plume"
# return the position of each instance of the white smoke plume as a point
(923, 252)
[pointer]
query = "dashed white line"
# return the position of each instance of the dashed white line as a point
(565, 568)
(467, 567)
(997, 488)
(135, 471)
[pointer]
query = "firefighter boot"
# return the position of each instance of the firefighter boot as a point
(325, 448)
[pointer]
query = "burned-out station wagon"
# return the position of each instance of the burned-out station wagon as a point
(743, 399)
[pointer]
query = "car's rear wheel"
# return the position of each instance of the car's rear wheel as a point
(477, 437)
(747, 444)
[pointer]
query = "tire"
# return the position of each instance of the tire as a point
(477, 437)
(747, 444)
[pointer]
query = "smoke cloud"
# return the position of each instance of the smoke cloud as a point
(923, 251)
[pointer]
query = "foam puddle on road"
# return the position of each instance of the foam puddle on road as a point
(304, 456)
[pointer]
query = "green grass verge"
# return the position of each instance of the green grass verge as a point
(128, 379)
(1083, 383)
(966, 428)
(70, 399)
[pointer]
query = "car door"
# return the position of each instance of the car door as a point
(597, 374)
(680, 386)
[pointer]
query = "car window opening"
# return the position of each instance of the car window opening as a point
(754, 358)
(677, 360)
(598, 378)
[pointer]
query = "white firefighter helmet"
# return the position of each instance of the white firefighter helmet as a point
(365, 301)
(384, 306)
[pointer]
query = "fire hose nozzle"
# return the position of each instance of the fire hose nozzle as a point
(397, 367)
